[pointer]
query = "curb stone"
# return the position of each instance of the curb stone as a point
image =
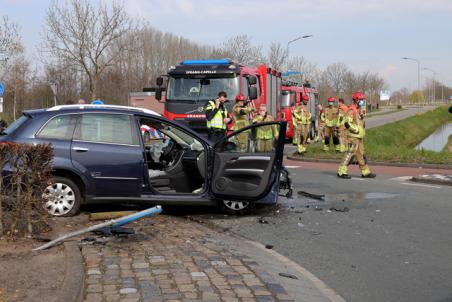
(74, 279)
(370, 162)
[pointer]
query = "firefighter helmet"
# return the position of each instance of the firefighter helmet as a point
(305, 97)
(240, 98)
(356, 96)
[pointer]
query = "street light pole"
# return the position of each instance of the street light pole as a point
(418, 75)
(296, 39)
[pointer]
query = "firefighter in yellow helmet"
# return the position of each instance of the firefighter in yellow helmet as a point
(241, 112)
(354, 123)
(265, 135)
(342, 133)
(217, 117)
(329, 117)
(302, 117)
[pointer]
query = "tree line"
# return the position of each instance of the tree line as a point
(97, 51)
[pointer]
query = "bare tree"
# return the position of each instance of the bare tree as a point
(81, 34)
(309, 71)
(9, 40)
(277, 56)
(334, 76)
(240, 49)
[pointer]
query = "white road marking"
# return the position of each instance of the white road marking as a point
(292, 167)
(401, 178)
(420, 185)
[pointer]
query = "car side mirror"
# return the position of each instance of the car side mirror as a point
(252, 93)
(158, 94)
(159, 81)
(252, 80)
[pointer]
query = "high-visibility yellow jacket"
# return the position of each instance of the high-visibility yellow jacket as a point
(217, 121)
(329, 116)
(241, 119)
(355, 123)
(301, 115)
(265, 132)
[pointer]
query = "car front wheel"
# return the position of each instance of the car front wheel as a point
(236, 207)
(62, 197)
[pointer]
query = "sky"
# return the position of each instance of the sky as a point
(370, 35)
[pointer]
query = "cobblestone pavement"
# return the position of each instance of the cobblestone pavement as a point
(174, 259)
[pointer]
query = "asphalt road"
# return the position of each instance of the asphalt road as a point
(384, 239)
(378, 120)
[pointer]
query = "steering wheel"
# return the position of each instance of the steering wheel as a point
(168, 152)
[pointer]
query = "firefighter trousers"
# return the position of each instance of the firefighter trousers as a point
(331, 132)
(303, 134)
(355, 148)
(343, 140)
(264, 145)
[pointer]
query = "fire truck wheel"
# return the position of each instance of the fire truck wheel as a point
(236, 207)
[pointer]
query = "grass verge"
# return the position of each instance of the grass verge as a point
(395, 142)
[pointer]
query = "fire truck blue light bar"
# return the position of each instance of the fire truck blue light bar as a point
(206, 62)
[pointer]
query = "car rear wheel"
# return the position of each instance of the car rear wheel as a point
(236, 207)
(62, 197)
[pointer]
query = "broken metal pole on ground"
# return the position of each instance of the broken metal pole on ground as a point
(114, 222)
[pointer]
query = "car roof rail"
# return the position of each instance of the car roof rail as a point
(92, 106)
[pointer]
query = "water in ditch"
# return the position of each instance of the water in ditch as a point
(437, 140)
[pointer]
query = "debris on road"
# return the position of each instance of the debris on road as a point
(311, 195)
(288, 276)
(262, 220)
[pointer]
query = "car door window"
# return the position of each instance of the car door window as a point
(260, 139)
(107, 128)
(59, 127)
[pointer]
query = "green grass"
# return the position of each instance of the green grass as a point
(396, 142)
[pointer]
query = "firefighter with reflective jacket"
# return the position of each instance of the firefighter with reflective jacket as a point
(296, 133)
(342, 133)
(320, 134)
(241, 112)
(265, 135)
(217, 117)
(354, 123)
(302, 118)
(330, 118)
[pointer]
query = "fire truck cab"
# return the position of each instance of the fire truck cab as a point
(291, 94)
(193, 83)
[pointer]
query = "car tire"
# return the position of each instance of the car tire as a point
(236, 207)
(62, 197)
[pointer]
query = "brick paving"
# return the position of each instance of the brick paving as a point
(173, 259)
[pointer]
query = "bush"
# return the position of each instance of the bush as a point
(399, 107)
(26, 171)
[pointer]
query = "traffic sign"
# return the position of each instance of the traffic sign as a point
(2, 89)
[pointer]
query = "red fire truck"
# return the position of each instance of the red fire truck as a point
(192, 83)
(291, 94)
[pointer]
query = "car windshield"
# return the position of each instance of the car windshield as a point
(204, 89)
(16, 124)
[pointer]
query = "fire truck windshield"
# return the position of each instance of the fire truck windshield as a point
(203, 89)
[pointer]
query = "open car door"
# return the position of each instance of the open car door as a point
(247, 163)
